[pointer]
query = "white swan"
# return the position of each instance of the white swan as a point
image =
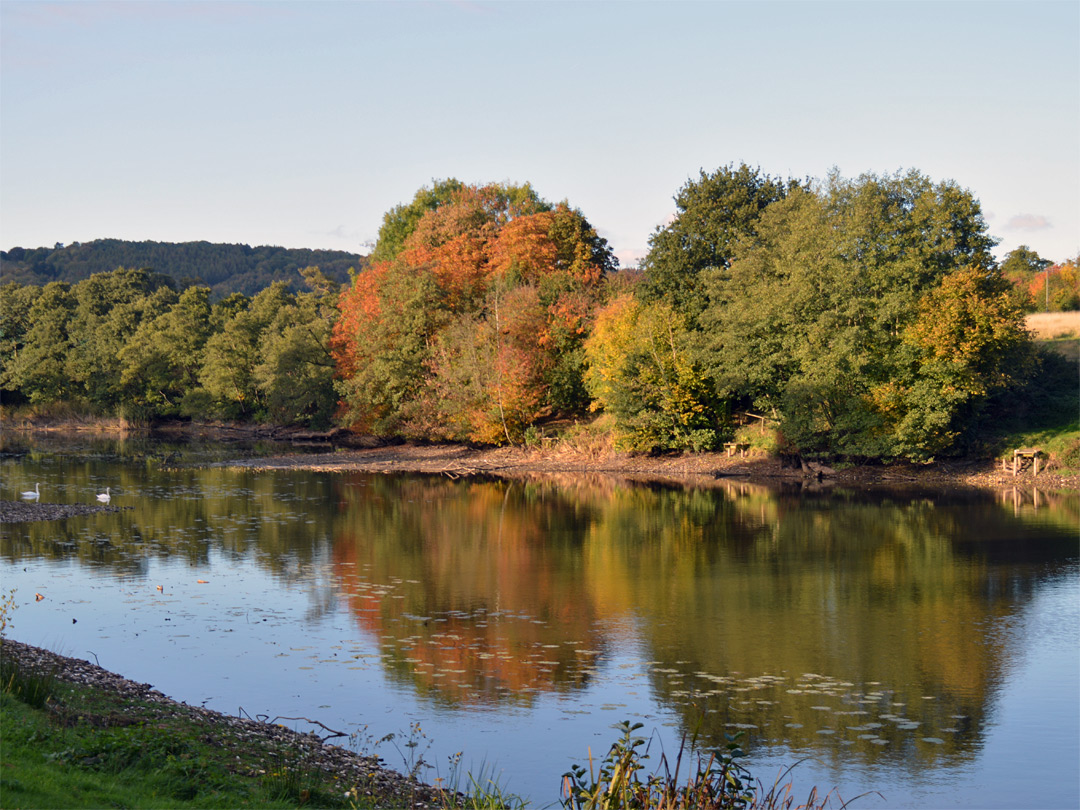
(104, 497)
(34, 494)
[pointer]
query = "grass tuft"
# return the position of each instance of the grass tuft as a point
(34, 687)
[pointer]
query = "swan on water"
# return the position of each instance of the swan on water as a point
(104, 497)
(34, 494)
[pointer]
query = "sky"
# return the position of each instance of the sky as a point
(301, 124)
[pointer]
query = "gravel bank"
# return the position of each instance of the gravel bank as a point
(27, 511)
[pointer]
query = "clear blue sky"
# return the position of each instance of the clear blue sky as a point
(300, 124)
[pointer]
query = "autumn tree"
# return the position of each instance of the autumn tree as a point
(966, 343)
(401, 220)
(641, 370)
(1022, 267)
(1057, 288)
(474, 269)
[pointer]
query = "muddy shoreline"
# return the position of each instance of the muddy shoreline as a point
(341, 451)
(698, 469)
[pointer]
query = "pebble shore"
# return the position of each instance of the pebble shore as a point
(29, 511)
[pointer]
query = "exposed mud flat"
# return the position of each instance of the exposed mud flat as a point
(691, 468)
(28, 511)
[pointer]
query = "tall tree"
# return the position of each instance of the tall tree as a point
(231, 356)
(484, 259)
(40, 371)
(712, 214)
(295, 372)
(16, 301)
(110, 308)
(401, 220)
(966, 343)
(162, 360)
(811, 316)
(641, 370)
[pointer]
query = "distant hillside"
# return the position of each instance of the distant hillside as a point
(223, 268)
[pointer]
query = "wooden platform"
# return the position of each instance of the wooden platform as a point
(1020, 458)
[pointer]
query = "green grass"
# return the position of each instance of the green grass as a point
(86, 748)
(1045, 414)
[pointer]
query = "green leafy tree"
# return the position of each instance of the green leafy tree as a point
(162, 360)
(811, 316)
(16, 301)
(227, 375)
(712, 214)
(109, 310)
(295, 372)
(39, 371)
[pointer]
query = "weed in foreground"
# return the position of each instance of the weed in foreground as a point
(291, 778)
(715, 780)
(480, 791)
(32, 686)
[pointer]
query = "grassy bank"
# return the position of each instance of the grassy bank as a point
(69, 746)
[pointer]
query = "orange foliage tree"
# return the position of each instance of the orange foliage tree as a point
(1057, 289)
(473, 329)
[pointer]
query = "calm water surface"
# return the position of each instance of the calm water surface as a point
(923, 645)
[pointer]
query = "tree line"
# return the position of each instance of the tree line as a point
(225, 269)
(866, 318)
(129, 343)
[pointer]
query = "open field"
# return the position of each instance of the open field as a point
(1050, 325)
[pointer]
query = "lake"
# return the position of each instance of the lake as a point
(921, 644)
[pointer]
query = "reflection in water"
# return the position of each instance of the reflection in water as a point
(847, 625)
(836, 623)
(476, 588)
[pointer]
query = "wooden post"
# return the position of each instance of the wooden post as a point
(1036, 462)
(1014, 464)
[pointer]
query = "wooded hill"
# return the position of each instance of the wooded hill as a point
(225, 269)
